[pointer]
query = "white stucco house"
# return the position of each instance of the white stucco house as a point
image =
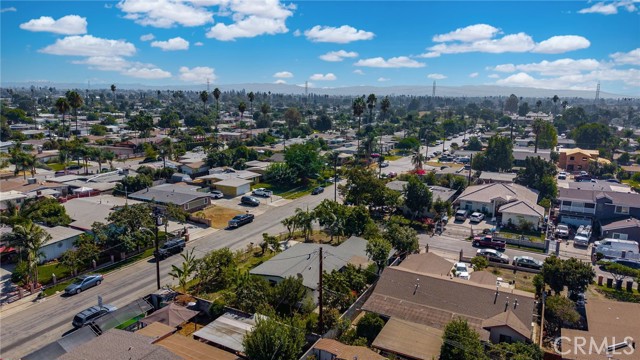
(488, 198)
(62, 239)
(518, 211)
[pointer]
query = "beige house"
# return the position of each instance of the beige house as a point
(519, 211)
(488, 198)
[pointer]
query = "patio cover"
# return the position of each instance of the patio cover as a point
(172, 315)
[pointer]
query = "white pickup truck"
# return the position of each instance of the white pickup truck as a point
(262, 192)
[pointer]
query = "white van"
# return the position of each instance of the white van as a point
(613, 248)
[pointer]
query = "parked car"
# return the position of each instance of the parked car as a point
(83, 283)
(318, 190)
(527, 261)
(250, 200)
(461, 215)
(384, 164)
(240, 220)
(392, 174)
(87, 316)
(562, 231)
(493, 255)
(462, 271)
(171, 247)
(476, 217)
(562, 175)
(74, 167)
(634, 264)
(217, 194)
(262, 192)
(488, 241)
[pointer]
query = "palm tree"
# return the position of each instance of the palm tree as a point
(538, 125)
(62, 105)
(109, 156)
(371, 104)
(385, 104)
(242, 107)
(265, 109)
(564, 104)
(75, 101)
(113, 92)
(538, 105)
(30, 238)
(216, 95)
(358, 108)
(183, 273)
(417, 160)
(204, 97)
(251, 97)
(555, 102)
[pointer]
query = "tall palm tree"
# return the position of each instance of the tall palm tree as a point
(264, 109)
(385, 104)
(538, 105)
(371, 104)
(555, 102)
(113, 92)
(216, 95)
(538, 125)
(62, 105)
(417, 160)
(251, 97)
(242, 107)
(75, 101)
(30, 238)
(358, 108)
(204, 97)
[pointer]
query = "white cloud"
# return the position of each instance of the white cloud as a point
(199, 43)
(358, 71)
(147, 37)
(556, 67)
(252, 18)
(482, 38)
(580, 81)
(297, 33)
(283, 75)
(198, 74)
(394, 62)
(340, 35)
(66, 25)
(323, 77)
(630, 58)
(383, 79)
(493, 76)
(174, 44)
(280, 81)
(339, 55)
(88, 45)
(9, 9)
(436, 76)
(469, 34)
(561, 44)
(124, 67)
(165, 13)
(474, 75)
(609, 8)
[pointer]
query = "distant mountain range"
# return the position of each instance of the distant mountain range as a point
(410, 90)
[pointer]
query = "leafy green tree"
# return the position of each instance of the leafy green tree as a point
(574, 116)
(511, 105)
(547, 136)
(577, 274)
(515, 351)
(75, 101)
(273, 339)
(497, 157)
(363, 187)
(385, 105)
(461, 342)
(417, 196)
(357, 221)
(479, 263)
(322, 123)
(30, 238)
(523, 109)
(591, 135)
(539, 174)
(369, 326)
(553, 274)
(293, 118)
(403, 238)
(559, 310)
(46, 211)
(618, 271)
(142, 122)
(98, 130)
(131, 184)
(185, 270)
(304, 159)
(131, 220)
(378, 250)
(474, 144)
(215, 270)
(289, 293)
(71, 260)
(252, 293)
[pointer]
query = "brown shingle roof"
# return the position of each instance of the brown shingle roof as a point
(434, 301)
(347, 352)
(190, 349)
(507, 318)
(120, 344)
(428, 263)
(409, 339)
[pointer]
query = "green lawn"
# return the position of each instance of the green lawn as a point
(533, 236)
(46, 271)
(392, 157)
(292, 192)
(56, 166)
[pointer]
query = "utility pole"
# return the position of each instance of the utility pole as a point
(470, 161)
(320, 322)
(335, 177)
(158, 218)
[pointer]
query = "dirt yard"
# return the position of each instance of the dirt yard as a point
(218, 215)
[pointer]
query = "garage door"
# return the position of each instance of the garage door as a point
(575, 220)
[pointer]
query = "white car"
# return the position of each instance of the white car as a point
(262, 192)
(476, 217)
(562, 231)
(462, 271)
(217, 194)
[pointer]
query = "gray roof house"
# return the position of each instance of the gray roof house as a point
(488, 198)
(488, 177)
(184, 196)
(302, 260)
(62, 239)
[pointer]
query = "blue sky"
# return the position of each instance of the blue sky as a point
(553, 45)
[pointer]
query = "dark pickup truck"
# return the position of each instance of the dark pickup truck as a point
(240, 220)
(489, 241)
(171, 247)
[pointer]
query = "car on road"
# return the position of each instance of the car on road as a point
(240, 220)
(562, 231)
(262, 192)
(171, 247)
(87, 316)
(318, 190)
(83, 283)
(493, 255)
(250, 200)
(562, 175)
(392, 174)
(489, 242)
(217, 194)
(462, 271)
(74, 167)
(384, 164)
(527, 261)
(476, 217)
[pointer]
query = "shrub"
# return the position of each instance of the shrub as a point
(479, 263)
